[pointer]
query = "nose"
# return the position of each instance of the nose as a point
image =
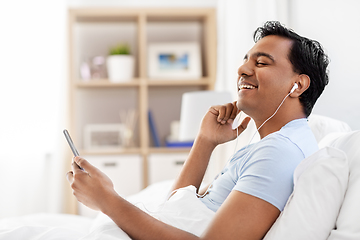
(245, 69)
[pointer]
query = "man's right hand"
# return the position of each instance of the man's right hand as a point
(216, 125)
(216, 128)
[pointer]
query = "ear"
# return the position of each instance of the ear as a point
(303, 82)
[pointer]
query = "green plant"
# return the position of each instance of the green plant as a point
(121, 48)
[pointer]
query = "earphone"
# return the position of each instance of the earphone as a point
(296, 86)
(236, 122)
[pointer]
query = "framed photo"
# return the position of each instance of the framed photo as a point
(104, 136)
(174, 60)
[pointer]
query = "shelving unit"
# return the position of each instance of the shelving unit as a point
(93, 30)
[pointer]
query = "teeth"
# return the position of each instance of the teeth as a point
(243, 86)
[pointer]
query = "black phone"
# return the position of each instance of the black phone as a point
(72, 145)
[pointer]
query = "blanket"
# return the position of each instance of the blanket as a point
(183, 210)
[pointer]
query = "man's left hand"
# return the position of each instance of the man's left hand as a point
(90, 186)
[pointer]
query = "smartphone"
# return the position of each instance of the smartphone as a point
(72, 145)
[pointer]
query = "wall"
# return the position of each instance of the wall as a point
(335, 24)
(332, 22)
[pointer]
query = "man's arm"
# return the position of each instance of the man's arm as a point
(241, 216)
(195, 166)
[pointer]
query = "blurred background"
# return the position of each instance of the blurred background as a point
(34, 78)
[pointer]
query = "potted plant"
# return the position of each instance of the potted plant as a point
(120, 64)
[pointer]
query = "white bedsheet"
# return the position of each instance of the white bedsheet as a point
(44, 226)
(184, 210)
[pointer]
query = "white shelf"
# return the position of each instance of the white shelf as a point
(92, 31)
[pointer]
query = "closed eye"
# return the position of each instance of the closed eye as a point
(261, 63)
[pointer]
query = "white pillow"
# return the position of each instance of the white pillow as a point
(322, 126)
(312, 209)
(348, 222)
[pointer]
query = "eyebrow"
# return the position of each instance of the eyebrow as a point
(259, 54)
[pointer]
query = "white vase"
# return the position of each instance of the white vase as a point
(120, 68)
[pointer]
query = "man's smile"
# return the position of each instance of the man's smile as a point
(246, 86)
(243, 84)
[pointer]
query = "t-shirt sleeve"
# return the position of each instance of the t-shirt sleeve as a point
(268, 174)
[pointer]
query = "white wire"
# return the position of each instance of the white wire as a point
(237, 137)
(237, 134)
(268, 118)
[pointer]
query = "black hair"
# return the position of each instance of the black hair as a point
(307, 57)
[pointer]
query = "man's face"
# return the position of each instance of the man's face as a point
(266, 77)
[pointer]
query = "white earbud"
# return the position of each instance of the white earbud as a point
(236, 122)
(294, 87)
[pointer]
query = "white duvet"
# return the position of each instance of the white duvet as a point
(184, 210)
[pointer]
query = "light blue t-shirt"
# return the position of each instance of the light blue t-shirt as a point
(265, 169)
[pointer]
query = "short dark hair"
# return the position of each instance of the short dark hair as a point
(307, 57)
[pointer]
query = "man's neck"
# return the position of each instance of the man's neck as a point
(278, 121)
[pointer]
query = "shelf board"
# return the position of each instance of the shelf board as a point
(104, 14)
(106, 83)
(178, 82)
(112, 151)
(169, 150)
(135, 151)
(137, 82)
(84, 14)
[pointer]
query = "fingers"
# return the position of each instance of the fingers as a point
(226, 112)
(244, 124)
(80, 165)
(70, 176)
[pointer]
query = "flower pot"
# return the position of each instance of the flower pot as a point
(120, 68)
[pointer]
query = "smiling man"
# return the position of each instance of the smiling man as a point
(279, 82)
(265, 78)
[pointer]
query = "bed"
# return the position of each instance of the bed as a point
(183, 210)
(323, 205)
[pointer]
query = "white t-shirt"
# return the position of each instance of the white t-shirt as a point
(265, 169)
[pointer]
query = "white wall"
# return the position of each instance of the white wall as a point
(334, 23)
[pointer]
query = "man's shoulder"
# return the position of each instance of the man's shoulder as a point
(294, 136)
(276, 145)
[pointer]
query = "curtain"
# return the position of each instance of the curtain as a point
(237, 21)
(33, 77)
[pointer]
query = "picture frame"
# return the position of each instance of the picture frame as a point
(104, 136)
(174, 60)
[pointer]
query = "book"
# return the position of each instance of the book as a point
(179, 144)
(153, 130)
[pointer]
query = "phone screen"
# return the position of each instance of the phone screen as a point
(72, 145)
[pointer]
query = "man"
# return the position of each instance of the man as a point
(253, 188)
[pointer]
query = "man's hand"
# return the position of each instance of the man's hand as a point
(90, 186)
(216, 125)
